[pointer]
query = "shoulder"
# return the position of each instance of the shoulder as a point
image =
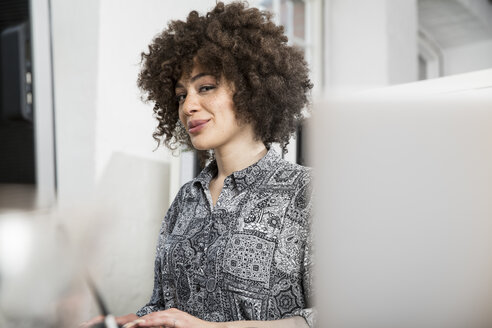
(292, 184)
(183, 191)
(187, 188)
(298, 176)
(177, 206)
(298, 179)
(182, 197)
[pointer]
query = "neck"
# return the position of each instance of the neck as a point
(238, 156)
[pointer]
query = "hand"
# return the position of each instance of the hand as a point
(87, 324)
(119, 320)
(171, 318)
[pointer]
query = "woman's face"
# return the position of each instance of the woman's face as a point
(207, 111)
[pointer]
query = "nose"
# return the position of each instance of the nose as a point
(190, 104)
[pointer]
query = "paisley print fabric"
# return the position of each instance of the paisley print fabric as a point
(246, 258)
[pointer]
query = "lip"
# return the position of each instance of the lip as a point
(196, 125)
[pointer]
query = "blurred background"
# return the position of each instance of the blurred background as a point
(79, 171)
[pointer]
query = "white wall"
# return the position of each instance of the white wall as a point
(467, 58)
(461, 31)
(75, 35)
(402, 41)
(370, 43)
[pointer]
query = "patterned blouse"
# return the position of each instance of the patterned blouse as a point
(246, 258)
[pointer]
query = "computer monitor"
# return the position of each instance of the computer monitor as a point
(403, 221)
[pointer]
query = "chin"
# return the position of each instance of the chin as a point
(201, 145)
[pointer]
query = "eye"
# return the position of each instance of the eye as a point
(206, 88)
(180, 98)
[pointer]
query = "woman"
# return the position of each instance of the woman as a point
(234, 246)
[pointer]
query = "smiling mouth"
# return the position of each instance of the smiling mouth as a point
(196, 125)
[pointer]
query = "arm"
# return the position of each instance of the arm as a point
(308, 313)
(157, 301)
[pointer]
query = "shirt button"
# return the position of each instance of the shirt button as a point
(211, 284)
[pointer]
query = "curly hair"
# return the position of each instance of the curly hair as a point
(241, 45)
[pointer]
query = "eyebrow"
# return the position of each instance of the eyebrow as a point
(193, 79)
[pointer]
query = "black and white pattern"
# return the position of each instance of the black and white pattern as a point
(247, 258)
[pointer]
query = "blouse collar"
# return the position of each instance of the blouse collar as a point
(244, 178)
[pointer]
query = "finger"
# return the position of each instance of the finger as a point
(134, 323)
(158, 321)
(121, 320)
(170, 318)
(89, 323)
